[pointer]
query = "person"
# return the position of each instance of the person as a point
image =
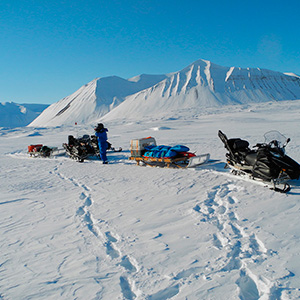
(101, 134)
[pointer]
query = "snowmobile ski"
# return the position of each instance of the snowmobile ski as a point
(278, 185)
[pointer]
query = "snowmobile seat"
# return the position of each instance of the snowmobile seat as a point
(72, 141)
(238, 144)
(86, 137)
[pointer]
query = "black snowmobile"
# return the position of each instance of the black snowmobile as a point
(82, 147)
(267, 162)
(79, 148)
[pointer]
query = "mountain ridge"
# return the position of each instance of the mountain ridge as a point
(93, 100)
(19, 115)
(201, 84)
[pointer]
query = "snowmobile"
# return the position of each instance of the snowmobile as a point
(77, 149)
(81, 148)
(266, 163)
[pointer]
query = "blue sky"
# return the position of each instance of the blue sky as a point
(49, 49)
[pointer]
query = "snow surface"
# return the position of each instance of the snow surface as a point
(74, 230)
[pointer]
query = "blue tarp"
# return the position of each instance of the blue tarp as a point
(164, 151)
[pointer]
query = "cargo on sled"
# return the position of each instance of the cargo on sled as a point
(145, 151)
(40, 150)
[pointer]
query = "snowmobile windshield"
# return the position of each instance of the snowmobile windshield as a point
(276, 138)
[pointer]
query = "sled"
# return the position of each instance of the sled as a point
(40, 150)
(145, 152)
(176, 163)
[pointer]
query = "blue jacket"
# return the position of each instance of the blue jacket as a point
(101, 135)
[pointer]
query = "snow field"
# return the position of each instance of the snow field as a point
(119, 231)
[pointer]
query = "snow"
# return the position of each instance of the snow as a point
(18, 115)
(200, 85)
(93, 100)
(204, 85)
(74, 230)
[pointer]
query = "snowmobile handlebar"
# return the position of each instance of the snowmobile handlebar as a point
(278, 145)
(287, 141)
(273, 144)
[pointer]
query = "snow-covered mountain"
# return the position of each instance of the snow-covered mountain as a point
(204, 84)
(200, 85)
(94, 100)
(19, 115)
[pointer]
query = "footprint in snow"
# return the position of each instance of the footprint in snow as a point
(88, 201)
(80, 211)
(110, 237)
(248, 288)
(126, 263)
(166, 293)
(126, 289)
(110, 249)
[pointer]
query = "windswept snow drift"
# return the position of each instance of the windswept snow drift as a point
(197, 87)
(119, 231)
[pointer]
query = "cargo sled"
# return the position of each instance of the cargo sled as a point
(40, 150)
(145, 152)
